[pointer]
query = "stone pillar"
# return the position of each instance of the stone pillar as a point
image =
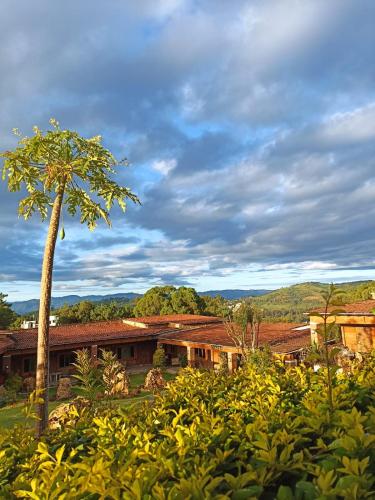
(94, 353)
(7, 361)
(232, 361)
(191, 356)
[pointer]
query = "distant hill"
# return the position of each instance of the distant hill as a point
(284, 304)
(234, 294)
(292, 302)
(27, 306)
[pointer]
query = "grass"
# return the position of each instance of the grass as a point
(11, 415)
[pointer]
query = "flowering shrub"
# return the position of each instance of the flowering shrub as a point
(253, 434)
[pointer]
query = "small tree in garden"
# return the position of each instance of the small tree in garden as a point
(115, 379)
(87, 374)
(243, 328)
(159, 360)
(60, 168)
(328, 331)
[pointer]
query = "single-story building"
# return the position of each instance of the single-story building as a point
(356, 322)
(134, 341)
(204, 346)
(200, 338)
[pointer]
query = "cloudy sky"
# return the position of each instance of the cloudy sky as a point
(249, 126)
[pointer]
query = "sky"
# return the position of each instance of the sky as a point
(249, 127)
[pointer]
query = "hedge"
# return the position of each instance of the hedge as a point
(255, 434)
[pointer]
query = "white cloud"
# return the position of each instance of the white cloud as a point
(164, 166)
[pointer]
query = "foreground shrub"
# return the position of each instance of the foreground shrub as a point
(253, 434)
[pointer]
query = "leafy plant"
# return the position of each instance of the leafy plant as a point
(183, 360)
(262, 358)
(12, 386)
(328, 332)
(159, 359)
(87, 374)
(115, 379)
(253, 434)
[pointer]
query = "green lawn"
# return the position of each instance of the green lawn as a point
(11, 415)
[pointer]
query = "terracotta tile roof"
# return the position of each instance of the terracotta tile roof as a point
(280, 336)
(100, 331)
(5, 342)
(363, 307)
(181, 319)
(300, 341)
(78, 333)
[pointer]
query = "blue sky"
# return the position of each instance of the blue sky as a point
(249, 126)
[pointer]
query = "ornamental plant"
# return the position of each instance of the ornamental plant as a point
(60, 168)
(159, 359)
(249, 435)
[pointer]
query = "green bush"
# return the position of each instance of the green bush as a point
(183, 360)
(12, 386)
(253, 434)
(13, 383)
(159, 360)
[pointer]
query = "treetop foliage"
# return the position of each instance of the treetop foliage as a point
(7, 316)
(183, 300)
(63, 161)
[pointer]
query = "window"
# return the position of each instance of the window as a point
(125, 352)
(201, 353)
(66, 360)
(29, 365)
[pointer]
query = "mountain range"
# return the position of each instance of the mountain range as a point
(27, 306)
(287, 303)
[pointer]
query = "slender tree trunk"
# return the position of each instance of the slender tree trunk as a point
(42, 368)
(326, 353)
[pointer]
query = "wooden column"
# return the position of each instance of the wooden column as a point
(94, 353)
(232, 361)
(191, 356)
(314, 333)
(7, 361)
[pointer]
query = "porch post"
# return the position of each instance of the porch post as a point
(7, 362)
(209, 358)
(191, 356)
(232, 361)
(314, 333)
(94, 353)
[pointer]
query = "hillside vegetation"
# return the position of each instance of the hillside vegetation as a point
(285, 304)
(265, 434)
(293, 302)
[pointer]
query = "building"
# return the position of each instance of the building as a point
(204, 346)
(356, 322)
(200, 338)
(133, 341)
(26, 324)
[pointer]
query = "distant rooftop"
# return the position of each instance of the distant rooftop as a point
(283, 338)
(363, 307)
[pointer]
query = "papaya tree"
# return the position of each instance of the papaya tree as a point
(60, 168)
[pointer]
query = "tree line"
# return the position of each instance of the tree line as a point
(156, 301)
